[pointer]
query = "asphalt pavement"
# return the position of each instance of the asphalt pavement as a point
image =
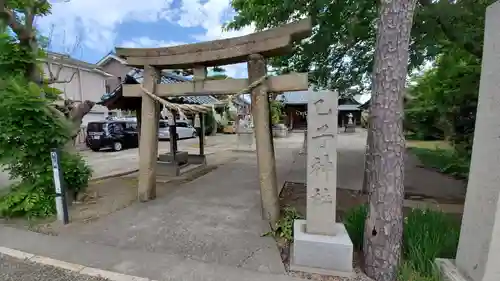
(12, 269)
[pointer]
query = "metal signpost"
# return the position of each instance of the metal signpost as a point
(61, 204)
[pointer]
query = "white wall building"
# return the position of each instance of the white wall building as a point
(79, 81)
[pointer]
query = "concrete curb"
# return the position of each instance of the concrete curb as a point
(80, 269)
(121, 174)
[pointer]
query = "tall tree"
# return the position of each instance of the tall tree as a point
(339, 54)
(19, 16)
(384, 223)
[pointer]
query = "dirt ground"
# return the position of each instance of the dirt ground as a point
(110, 195)
(104, 197)
(295, 194)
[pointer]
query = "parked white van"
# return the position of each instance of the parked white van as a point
(184, 130)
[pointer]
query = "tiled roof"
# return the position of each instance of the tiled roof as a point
(298, 97)
(170, 78)
(135, 77)
(65, 59)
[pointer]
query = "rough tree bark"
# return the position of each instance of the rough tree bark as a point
(74, 112)
(384, 223)
(368, 159)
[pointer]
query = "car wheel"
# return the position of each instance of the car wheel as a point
(177, 136)
(117, 146)
(195, 134)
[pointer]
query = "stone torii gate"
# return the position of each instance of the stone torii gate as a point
(253, 49)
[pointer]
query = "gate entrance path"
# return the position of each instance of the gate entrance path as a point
(253, 49)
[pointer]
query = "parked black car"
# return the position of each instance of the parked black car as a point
(112, 134)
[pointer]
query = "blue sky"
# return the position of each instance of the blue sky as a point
(89, 29)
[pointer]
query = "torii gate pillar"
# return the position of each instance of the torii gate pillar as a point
(252, 48)
(148, 145)
(265, 152)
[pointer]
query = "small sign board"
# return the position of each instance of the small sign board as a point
(55, 171)
(61, 204)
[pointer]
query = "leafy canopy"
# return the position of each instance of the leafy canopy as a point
(339, 54)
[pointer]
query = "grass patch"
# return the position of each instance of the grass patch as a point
(407, 272)
(354, 222)
(427, 235)
(437, 144)
(445, 161)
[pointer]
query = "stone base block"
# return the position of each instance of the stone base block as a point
(449, 271)
(350, 129)
(167, 169)
(322, 254)
(245, 142)
(197, 159)
(181, 157)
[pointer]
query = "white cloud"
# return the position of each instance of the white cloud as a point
(236, 70)
(94, 22)
(146, 42)
(211, 16)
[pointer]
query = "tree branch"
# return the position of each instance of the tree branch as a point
(30, 17)
(54, 79)
(451, 35)
(19, 29)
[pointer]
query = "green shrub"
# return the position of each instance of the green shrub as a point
(209, 120)
(446, 161)
(29, 129)
(276, 111)
(354, 221)
(284, 227)
(427, 235)
(76, 172)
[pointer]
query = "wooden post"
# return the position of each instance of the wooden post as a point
(138, 115)
(173, 136)
(148, 145)
(265, 159)
(201, 134)
(272, 151)
(214, 124)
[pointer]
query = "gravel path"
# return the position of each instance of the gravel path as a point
(18, 270)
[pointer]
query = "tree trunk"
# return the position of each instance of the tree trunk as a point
(368, 160)
(33, 73)
(75, 112)
(384, 223)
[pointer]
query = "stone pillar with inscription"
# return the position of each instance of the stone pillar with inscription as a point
(478, 253)
(320, 244)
